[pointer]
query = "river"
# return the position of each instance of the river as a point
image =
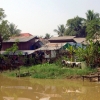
(47, 89)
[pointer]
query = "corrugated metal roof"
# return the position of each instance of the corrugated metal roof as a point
(62, 38)
(51, 46)
(76, 39)
(20, 39)
(79, 40)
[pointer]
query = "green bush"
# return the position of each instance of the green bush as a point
(50, 71)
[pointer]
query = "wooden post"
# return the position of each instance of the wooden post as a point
(98, 77)
(90, 78)
(19, 71)
(83, 78)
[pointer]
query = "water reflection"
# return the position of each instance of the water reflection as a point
(39, 89)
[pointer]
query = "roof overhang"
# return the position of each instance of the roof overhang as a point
(19, 52)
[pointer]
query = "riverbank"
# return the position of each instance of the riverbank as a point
(49, 71)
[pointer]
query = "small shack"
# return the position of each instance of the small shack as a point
(52, 50)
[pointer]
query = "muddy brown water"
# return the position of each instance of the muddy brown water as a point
(48, 89)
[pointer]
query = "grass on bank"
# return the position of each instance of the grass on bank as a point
(50, 71)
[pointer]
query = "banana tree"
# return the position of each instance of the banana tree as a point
(71, 50)
(90, 53)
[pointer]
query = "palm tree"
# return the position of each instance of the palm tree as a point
(60, 30)
(13, 30)
(92, 23)
(90, 15)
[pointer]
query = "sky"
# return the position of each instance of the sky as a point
(39, 17)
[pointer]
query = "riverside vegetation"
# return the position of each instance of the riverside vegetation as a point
(51, 71)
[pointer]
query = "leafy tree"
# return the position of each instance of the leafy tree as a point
(4, 26)
(4, 30)
(7, 29)
(13, 30)
(47, 36)
(60, 30)
(2, 14)
(81, 27)
(76, 27)
(69, 31)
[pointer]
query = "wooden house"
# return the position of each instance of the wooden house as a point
(68, 39)
(24, 43)
(51, 51)
(26, 47)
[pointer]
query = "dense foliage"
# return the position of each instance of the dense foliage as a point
(81, 27)
(7, 29)
(90, 53)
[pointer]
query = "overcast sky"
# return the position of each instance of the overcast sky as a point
(39, 17)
